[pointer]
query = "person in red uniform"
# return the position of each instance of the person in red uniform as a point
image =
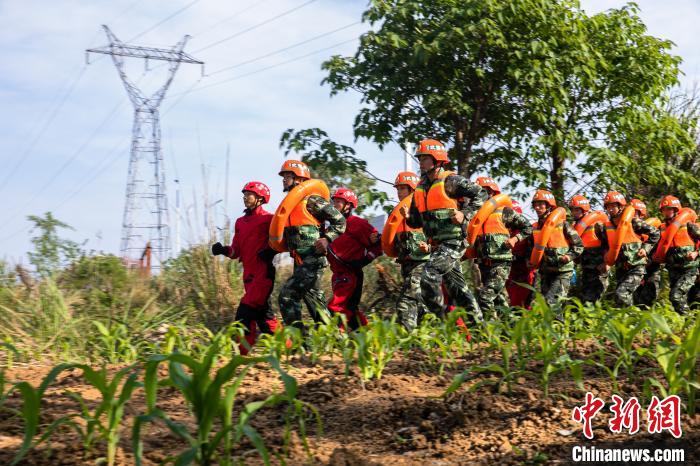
(519, 272)
(250, 247)
(347, 255)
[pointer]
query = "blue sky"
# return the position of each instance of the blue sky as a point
(66, 126)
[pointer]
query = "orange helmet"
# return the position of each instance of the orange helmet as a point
(299, 168)
(613, 197)
(434, 148)
(581, 202)
(545, 196)
(409, 179)
(670, 201)
(488, 182)
(639, 206)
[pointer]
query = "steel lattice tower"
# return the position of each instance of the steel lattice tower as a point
(146, 220)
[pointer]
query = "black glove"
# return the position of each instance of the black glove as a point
(267, 254)
(218, 248)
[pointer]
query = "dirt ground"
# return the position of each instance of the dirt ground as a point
(401, 419)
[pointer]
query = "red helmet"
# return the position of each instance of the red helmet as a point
(581, 202)
(434, 148)
(258, 188)
(347, 195)
(299, 168)
(545, 196)
(488, 182)
(613, 197)
(670, 201)
(516, 206)
(409, 179)
(639, 206)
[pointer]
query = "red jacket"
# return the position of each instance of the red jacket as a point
(351, 250)
(250, 236)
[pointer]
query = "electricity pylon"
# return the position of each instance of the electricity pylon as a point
(146, 219)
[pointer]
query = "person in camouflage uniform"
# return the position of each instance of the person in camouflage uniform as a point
(630, 265)
(593, 280)
(682, 255)
(412, 248)
(494, 246)
(560, 252)
(648, 291)
(308, 244)
(442, 205)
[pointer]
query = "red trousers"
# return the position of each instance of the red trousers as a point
(254, 318)
(347, 291)
(518, 295)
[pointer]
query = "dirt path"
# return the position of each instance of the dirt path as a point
(401, 419)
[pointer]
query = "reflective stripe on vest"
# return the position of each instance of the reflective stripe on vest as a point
(300, 216)
(682, 238)
(556, 239)
(630, 237)
(494, 224)
(588, 236)
(436, 198)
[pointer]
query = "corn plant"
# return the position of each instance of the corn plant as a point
(211, 399)
(678, 360)
(115, 343)
(31, 410)
(282, 343)
(104, 421)
(376, 345)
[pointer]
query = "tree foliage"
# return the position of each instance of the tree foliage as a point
(334, 163)
(50, 250)
(526, 89)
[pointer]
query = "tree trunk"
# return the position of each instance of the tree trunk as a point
(556, 175)
(463, 153)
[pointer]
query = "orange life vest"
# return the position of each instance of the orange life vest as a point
(585, 227)
(556, 239)
(494, 224)
(681, 239)
(436, 198)
(630, 236)
(300, 216)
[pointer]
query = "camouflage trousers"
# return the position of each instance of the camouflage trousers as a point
(593, 284)
(445, 266)
(304, 285)
(409, 305)
(648, 291)
(492, 293)
(628, 280)
(555, 285)
(681, 282)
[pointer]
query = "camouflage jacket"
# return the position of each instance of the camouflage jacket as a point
(628, 253)
(301, 239)
(677, 257)
(437, 224)
(407, 245)
(493, 246)
(551, 262)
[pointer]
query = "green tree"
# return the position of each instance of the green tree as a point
(518, 87)
(336, 164)
(632, 163)
(50, 250)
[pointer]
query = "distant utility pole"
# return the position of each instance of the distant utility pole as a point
(408, 157)
(145, 219)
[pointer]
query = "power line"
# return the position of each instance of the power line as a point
(43, 129)
(258, 71)
(255, 26)
(75, 155)
(306, 41)
(164, 20)
(228, 18)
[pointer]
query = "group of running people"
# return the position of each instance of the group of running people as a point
(442, 219)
